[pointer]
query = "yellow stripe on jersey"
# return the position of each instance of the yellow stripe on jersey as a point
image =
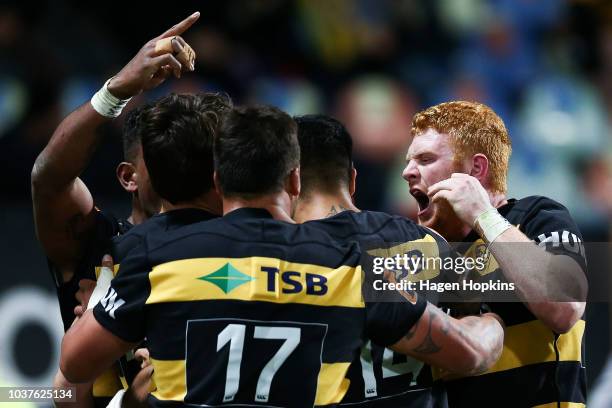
(107, 384)
(123, 382)
(426, 245)
(169, 377)
(570, 343)
(255, 279)
(115, 270)
(332, 384)
(524, 344)
(561, 405)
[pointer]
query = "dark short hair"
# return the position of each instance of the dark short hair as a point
(255, 150)
(326, 150)
(130, 138)
(177, 142)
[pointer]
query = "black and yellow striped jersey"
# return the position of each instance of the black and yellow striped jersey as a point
(245, 310)
(381, 377)
(121, 374)
(537, 368)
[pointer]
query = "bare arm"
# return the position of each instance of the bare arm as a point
(553, 286)
(63, 206)
(539, 274)
(88, 349)
(466, 346)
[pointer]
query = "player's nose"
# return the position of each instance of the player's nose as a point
(410, 173)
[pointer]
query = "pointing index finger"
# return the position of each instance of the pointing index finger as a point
(181, 27)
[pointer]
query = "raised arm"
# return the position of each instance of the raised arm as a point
(553, 286)
(466, 346)
(63, 206)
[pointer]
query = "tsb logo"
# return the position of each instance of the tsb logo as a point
(295, 282)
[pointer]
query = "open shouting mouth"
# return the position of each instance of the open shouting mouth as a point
(422, 200)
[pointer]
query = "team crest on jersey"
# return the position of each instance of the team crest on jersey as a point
(480, 250)
(227, 278)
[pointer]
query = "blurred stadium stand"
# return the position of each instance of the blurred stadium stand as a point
(545, 66)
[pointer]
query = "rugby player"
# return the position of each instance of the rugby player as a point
(249, 309)
(177, 133)
(457, 168)
(381, 377)
(74, 234)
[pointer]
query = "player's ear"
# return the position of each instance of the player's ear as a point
(480, 167)
(353, 181)
(126, 174)
(292, 183)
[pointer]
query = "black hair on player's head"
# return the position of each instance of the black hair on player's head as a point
(326, 150)
(177, 134)
(255, 151)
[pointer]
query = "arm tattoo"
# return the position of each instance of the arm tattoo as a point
(428, 346)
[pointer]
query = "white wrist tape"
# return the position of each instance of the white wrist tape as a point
(102, 285)
(106, 104)
(491, 224)
(117, 400)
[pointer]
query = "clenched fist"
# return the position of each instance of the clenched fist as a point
(464, 193)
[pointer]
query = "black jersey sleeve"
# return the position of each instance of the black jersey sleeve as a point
(95, 246)
(551, 226)
(387, 321)
(123, 245)
(122, 309)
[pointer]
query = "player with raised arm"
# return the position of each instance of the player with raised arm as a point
(457, 166)
(233, 308)
(381, 377)
(74, 234)
(177, 144)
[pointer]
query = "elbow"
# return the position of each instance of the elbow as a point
(474, 362)
(70, 373)
(70, 365)
(479, 360)
(484, 351)
(564, 316)
(35, 176)
(38, 175)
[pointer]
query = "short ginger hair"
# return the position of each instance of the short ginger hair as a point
(472, 128)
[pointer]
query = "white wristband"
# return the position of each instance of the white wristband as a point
(491, 224)
(107, 104)
(117, 400)
(102, 285)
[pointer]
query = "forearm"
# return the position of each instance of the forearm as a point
(467, 346)
(68, 152)
(553, 287)
(88, 349)
(538, 275)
